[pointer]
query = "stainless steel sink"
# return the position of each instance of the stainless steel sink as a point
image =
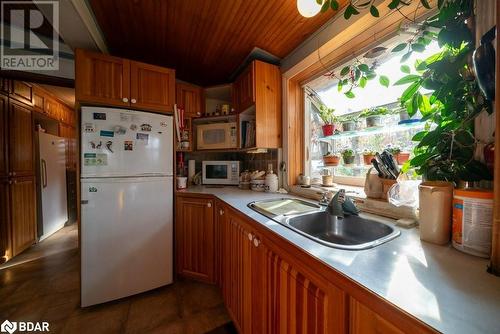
(351, 232)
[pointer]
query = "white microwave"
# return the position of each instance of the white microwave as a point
(216, 136)
(220, 172)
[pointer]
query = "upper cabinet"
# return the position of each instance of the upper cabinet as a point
(257, 98)
(189, 97)
(102, 79)
(152, 87)
(22, 92)
(107, 80)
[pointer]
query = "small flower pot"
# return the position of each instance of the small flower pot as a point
(349, 160)
(372, 121)
(328, 129)
(367, 158)
(403, 115)
(348, 126)
(331, 160)
(402, 157)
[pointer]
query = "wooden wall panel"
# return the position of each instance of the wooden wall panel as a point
(21, 140)
(22, 212)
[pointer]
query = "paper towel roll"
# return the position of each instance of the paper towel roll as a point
(191, 170)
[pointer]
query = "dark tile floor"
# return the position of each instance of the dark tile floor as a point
(43, 285)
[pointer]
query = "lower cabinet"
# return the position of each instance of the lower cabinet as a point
(194, 238)
(22, 213)
(365, 321)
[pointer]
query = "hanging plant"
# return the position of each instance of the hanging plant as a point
(356, 7)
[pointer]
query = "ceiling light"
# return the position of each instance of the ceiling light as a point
(308, 8)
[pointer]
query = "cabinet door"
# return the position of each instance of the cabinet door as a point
(39, 101)
(189, 98)
(52, 108)
(22, 213)
(5, 227)
(195, 236)
(22, 92)
(4, 110)
(365, 321)
(21, 140)
(102, 79)
(152, 87)
(236, 270)
(245, 88)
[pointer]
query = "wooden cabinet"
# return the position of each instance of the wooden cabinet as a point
(51, 108)
(69, 133)
(22, 91)
(5, 226)
(244, 88)
(195, 238)
(102, 79)
(365, 321)
(38, 101)
(189, 97)
(22, 213)
(152, 87)
(112, 81)
(4, 111)
(260, 86)
(20, 140)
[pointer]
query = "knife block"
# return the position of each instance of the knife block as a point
(386, 185)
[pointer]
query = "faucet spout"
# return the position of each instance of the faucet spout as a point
(341, 204)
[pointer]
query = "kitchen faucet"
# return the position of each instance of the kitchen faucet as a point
(339, 204)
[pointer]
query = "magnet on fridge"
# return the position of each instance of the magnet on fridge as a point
(101, 159)
(133, 127)
(109, 143)
(146, 127)
(98, 146)
(124, 117)
(88, 128)
(100, 116)
(120, 130)
(163, 124)
(142, 137)
(128, 145)
(92, 144)
(106, 133)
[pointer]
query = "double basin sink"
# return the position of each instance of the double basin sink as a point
(311, 220)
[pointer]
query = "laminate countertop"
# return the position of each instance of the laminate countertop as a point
(447, 289)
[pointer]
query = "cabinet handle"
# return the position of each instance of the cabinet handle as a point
(256, 242)
(15, 181)
(133, 100)
(10, 181)
(250, 236)
(13, 173)
(125, 100)
(209, 204)
(221, 212)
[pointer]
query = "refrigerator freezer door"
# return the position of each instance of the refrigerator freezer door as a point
(52, 151)
(126, 237)
(120, 142)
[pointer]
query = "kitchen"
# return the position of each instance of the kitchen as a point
(229, 173)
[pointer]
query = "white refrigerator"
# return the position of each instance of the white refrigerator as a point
(126, 203)
(52, 169)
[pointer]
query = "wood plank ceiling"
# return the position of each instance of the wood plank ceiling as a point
(204, 40)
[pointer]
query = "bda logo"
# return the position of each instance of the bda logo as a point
(8, 327)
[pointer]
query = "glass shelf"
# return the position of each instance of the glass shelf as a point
(376, 130)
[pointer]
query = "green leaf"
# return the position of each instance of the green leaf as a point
(406, 56)
(425, 3)
(419, 136)
(364, 68)
(340, 86)
(384, 81)
(362, 82)
(410, 91)
(424, 105)
(371, 75)
(335, 4)
(420, 65)
(325, 6)
(400, 47)
(431, 138)
(349, 11)
(319, 2)
(407, 79)
(374, 11)
(350, 94)
(345, 70)
(394, 4)
(418, 47)
(405, 69)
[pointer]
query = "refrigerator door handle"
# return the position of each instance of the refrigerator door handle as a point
(44, 173)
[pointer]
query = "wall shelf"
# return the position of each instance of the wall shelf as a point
(376, 130)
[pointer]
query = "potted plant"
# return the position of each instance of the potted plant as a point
(348, 156)
(326, 115)
(400, 156)
(348, 123)
(330, 159)
(368, 155)
(374, 116)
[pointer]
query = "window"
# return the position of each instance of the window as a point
(393, 130)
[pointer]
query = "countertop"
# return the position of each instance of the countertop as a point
(447, 289)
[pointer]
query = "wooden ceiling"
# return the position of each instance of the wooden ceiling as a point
(204, 40)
